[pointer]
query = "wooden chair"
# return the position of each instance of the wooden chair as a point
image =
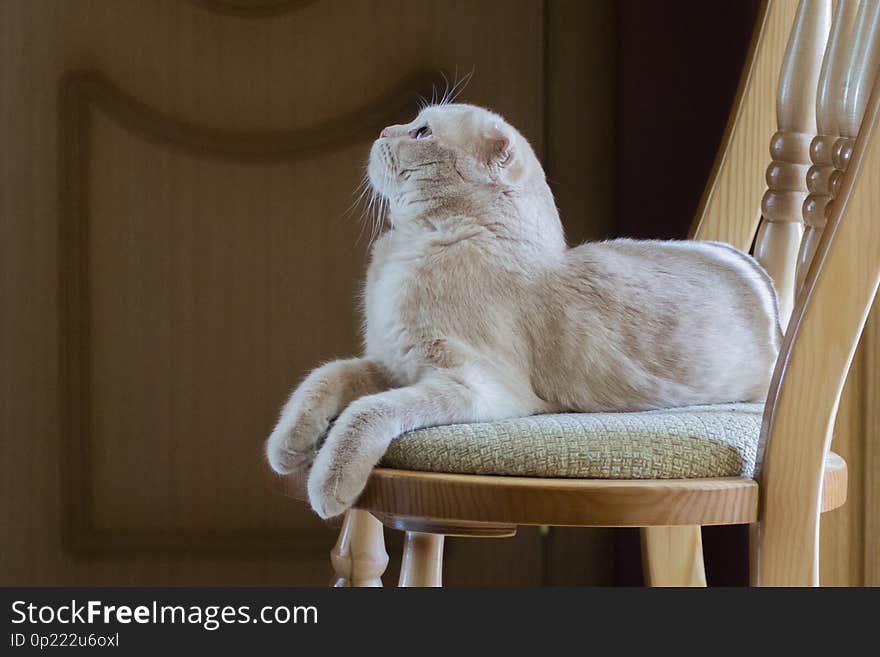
(821, 59)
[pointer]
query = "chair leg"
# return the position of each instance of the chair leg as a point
(359, 557)
(786, 556)
(422, 560)
(673, 556)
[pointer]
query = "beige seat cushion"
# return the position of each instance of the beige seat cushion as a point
(677, 443)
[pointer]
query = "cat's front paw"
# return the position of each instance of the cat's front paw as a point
(335, 483)
(288, 449)
(323, 497)
(343, 464)
(304, 422)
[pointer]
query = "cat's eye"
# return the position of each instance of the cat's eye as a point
(419, 133)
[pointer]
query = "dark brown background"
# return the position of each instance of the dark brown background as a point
(678, 67)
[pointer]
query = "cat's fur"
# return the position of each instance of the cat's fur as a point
(476, 310)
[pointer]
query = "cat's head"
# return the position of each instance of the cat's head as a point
(454, 151)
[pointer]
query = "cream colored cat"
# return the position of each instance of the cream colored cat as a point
(476, 310)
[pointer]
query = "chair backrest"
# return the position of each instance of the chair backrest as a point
(816, 231)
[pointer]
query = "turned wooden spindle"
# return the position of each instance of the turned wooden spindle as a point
(848, 72)
(779, 237)
(862, 68)
(359, 556)
(823, 173)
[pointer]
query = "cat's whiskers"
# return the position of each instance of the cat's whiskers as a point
(453, 91)
(367, 215)
(361, 192)
(377, 207)
(375, 216)
(383, 205)
(460, 86)
(445, 91)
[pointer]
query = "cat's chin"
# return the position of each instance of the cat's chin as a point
(377, 169)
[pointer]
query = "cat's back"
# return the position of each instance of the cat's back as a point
(687, 271)
(663, 323)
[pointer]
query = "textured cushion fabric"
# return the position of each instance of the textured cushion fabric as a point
(677, 443)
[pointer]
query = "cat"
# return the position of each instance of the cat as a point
(476, 310)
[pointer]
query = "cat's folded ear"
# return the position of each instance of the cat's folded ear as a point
(500, 144)
(502, 151)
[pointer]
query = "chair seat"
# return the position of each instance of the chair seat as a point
(683, 466)
(679, 443)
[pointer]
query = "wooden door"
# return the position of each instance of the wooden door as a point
(174, 176)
